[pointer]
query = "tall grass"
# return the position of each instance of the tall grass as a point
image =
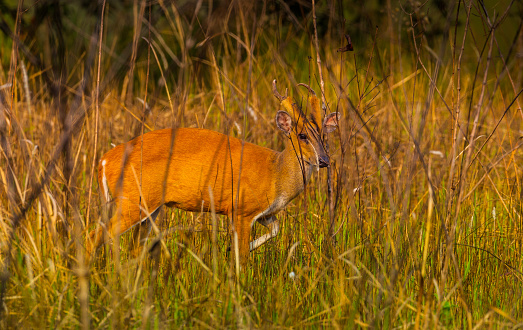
(423, 226)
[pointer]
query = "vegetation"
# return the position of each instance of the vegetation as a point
(417, 223)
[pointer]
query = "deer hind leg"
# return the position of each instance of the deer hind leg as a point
(127, 213)
(273, 225)
(141, 232)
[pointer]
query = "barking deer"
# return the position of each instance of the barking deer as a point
(158, 169)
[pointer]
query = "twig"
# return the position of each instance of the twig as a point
(330, 201)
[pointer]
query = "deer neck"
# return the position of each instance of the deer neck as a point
(294, 173)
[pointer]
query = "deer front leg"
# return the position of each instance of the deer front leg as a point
(243, 230)
(270, 223)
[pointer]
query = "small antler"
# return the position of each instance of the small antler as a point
(315, 105)
(307, 86)
(275, 92)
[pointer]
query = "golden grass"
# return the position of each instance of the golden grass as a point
(426, 181)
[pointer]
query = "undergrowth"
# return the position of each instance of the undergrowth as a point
(418, 225)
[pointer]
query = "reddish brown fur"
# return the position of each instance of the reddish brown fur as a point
(202, 159)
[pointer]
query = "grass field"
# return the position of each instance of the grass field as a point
(417, 223)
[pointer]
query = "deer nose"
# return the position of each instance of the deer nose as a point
(324, 161)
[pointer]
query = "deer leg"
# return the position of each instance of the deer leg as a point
(141, 232)
(274, 227)
(243, 230)
(119, 223)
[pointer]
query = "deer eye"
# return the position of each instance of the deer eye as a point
(302, 136)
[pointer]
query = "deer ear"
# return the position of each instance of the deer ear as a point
(284, 122)
(331, 122)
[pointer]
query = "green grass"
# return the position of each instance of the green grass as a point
(428, 212)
